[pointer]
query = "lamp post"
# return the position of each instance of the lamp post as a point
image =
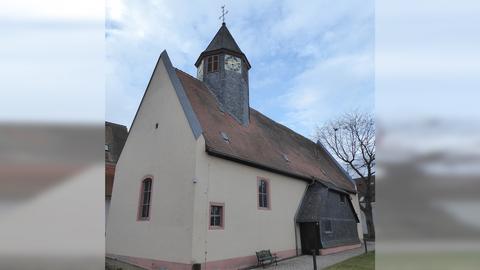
(365, 244)
(314, 251)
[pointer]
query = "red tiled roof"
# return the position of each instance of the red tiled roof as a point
(263, 143)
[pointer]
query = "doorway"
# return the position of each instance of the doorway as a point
(310, 237)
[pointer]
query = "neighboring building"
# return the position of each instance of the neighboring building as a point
(49, 195)
(204, 180)
(362, 189)
(115, 137)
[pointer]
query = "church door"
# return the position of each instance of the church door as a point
(310, 237)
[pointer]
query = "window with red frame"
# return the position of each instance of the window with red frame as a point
(263, 194)
(146, 191)
(216, 216)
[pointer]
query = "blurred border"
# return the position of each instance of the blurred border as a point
(428, 182)
(51, 134)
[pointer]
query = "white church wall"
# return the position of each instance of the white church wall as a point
(246, 227)
(201, 208)
(166, 154)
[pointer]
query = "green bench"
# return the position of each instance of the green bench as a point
(265, 257)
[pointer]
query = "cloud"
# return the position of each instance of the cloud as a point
(309, 61)
(327, 89)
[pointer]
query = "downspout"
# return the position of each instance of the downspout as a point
(207, 193)
(296, 214)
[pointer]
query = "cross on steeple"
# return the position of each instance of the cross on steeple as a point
(223, 14)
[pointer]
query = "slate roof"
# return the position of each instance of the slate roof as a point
(222, 41)
(312, 203)
(264, 143)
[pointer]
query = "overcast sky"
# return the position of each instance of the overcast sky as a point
(310, 61)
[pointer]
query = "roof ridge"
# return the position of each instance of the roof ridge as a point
(187, 74)
(283, 126)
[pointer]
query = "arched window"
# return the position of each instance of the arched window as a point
(145, 198)
(263, 194)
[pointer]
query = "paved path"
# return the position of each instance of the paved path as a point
(305, 262)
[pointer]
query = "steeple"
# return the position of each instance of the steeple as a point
(222, 41)
(223, 67)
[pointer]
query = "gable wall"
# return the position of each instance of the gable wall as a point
(167, 154)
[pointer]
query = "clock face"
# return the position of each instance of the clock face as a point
(233, 63)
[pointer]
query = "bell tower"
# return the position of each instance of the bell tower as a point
(223, 67)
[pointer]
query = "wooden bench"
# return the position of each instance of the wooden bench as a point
(265, 257)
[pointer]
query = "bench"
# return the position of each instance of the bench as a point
(265, 257)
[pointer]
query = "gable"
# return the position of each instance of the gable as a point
(164, 61)
(160, 146)
(321, 202)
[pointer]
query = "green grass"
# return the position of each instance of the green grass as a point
(429, 261)
(361, 262)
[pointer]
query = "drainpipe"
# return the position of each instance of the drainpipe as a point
(207, 193)
(296, 213)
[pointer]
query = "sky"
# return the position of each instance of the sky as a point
(52, 61)
(311, 62)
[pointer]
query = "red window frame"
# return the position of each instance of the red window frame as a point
(263, 195)
(222, 216)
(145, 199)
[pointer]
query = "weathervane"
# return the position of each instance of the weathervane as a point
(223, 14)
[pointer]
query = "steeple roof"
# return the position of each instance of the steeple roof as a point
(222, 42)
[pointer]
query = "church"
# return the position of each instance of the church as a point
(204, 180)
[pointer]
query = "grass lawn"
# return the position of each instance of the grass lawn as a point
(361, 262)
(429, 261)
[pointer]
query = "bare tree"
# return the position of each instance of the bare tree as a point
(351, 139)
